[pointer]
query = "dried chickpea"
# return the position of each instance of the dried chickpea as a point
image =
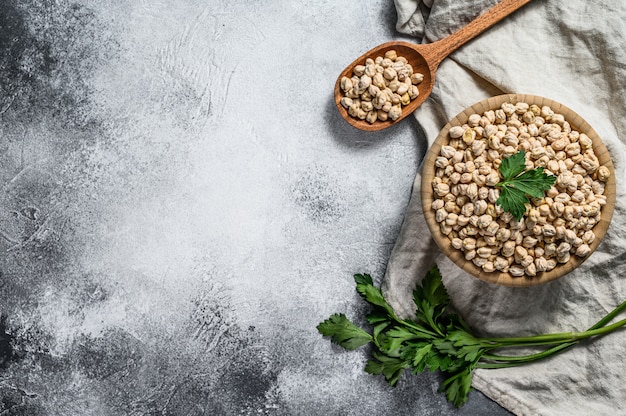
(387, 83)
(557, 226)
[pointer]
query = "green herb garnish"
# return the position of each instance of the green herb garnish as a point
(439, 340)
(518, 185)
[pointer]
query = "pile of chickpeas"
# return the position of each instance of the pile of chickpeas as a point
(555, 227)
(379, 89)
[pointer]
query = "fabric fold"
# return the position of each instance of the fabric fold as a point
(412, 16)
(558, 51)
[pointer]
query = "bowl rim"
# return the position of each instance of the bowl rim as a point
(428, 173)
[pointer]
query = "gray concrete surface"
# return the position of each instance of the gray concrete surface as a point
(181, 206)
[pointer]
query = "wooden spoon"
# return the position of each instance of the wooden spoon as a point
(424, 58)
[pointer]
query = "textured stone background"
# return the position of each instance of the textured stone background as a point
(181, 205)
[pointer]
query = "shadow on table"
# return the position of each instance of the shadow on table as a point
(346, 135)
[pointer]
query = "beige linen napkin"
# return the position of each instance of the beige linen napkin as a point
(572, 52)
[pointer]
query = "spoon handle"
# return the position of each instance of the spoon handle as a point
(442, 48)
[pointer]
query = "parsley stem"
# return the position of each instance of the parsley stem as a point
(598, 329)
(556, 338)
(417, 327)
(523, 359)
(438, 341)
(511, 361)
(602, 322)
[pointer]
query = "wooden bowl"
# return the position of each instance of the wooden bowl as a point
(457, 256)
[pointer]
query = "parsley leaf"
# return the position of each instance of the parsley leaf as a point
(513, 200)
(372, 294)
(418, 354)
(461, 344)
(518, 185)
(534, 182)
(391, 367)
(431, 299)
(395, 337)
(449, 346)
(458, 386)
(513, 165)
(343, 332)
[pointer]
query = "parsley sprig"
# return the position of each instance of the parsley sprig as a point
(518, 185)
(439, 340)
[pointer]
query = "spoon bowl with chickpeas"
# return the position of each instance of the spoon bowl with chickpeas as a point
(460, 190)
(386, 84)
